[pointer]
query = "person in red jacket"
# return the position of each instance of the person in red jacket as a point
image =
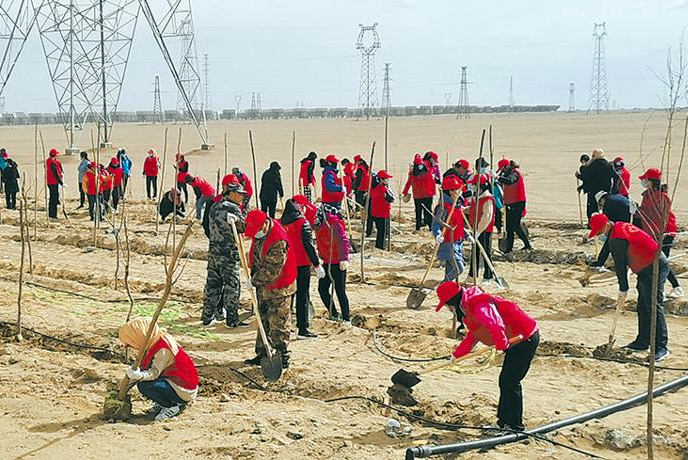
(333, 248)
(381, 199)
(485, 209)
(245, 183)
(182, 167)
(151, 167)
(633, 248)
(273, 273)
(515, 201)
(300, 234)
(167, 374)
(361, 180)
(349, 175)
(115, 170)
(307, 176)
(53, 178)
(496, 321)
(203, 190)
(332, 186)
(422, 182)
(450, 237)
(106, 183)
(622, 180)
(91, 187)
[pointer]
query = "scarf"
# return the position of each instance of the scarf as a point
(133, 334)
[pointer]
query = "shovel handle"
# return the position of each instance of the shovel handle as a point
(475, 354)
(620, 303)
(437, 246)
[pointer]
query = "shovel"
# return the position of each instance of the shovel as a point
(272, 363)
(606, 349)
(501, 282)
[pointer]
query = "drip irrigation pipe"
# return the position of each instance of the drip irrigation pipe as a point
(428, 451)
(406, 360)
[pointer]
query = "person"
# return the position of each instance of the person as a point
(125, 161)
(349, 175)
(460, 169)
(515, 201)
(497, 322)
(307, 176)
(450, 237)
(91, 187)
(3, 163)
(300, 235)
(115, 170)
(422, 183)
(498, 194)
(182, 167)
(381, 199)
(245, 183)
(203, 190)
(106, 185)
(167, 374)
(54, 176)
(270, 189)
(622, 177)
(151, 167)
(10, 179)
(273, 273)
(617, 207)
(431, 159)
(332, 187)
(656, 217)
(81, 170)
(633, 248)
(482, 212)
(597, 176)
(362, 180)
(223, 285)
(584, 159)
(170, 202)
(333, 248)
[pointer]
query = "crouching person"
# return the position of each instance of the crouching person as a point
(167, 374)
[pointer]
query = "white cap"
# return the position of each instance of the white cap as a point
(599, 195)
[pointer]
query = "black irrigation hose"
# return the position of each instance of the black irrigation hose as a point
(406, 360)
(460, 426)
(238, 372)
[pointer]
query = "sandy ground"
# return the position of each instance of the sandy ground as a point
(51, 392)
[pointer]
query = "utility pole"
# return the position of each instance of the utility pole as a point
(158, 114)
(386, 98)
(572, 90)
(511, 92)
(206, 85)
(463, 108)
(367, 91)
(599, 96)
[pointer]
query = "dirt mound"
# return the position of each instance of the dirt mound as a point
(563, 349)
(547, 256)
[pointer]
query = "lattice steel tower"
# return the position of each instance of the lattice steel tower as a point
(511, 92)
(572, 90)
(206, 85)
(599, 96)
(158, 114)
(17, 18)
(367, 91)
(463, 109)
(386, 90)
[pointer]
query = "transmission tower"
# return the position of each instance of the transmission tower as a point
(259, 105)
(237, 99)
(386, 90)
(367, 92)
(447, 98)
(158, 114)
(599, 96)
(572, 90)
(511, 92)
(206, 85)
(17, 18)
(463, 109)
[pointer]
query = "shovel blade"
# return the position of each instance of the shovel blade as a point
(272, 366)
(405, 378)
(501, 282)
(416, 297)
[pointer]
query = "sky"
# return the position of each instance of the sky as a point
(302, 52)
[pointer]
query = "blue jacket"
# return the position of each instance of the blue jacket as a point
(330, 184)
(126, 164)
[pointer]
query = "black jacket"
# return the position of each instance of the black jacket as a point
(10, 176)
(290, 215)
(271, 184)
(597, 176)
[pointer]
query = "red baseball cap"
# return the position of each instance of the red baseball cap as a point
(114, 161)
(357, 157)
(54, 152)
(484, 179)
(652, 173)
(464, 164)
(151, 152)
(331, 158)
(451, 183)
(619, 158)
(382, 174)
(501, 164)
(597, 222)
(93, 165)
(254, 220)
(432, 155)
(417, 159)
(230, 179)
(447, 291)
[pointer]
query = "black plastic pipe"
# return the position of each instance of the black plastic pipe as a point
(486, 443)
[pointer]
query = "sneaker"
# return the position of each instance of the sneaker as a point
(306, 334)
(220, 317)
(492, 429)
(235, 325)
(346, 323)
(635, 346)
(676, 293)
(212, 322)
(255, 361)
(661, 354)
(285, 361)
(167, 413)
(154, 409)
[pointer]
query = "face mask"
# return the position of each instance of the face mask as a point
(603, 237)
(261, 234)
(644, 182)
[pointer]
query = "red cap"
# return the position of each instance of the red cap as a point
(151, 152)
(652, 173)
(5, 155)
(432, 155)
(230, 179)
(92, 165)
(446, 291)
(484, 179)
(451, 183)
(357, 157)
(254, 220)
(331, 158)
(464, 164)
(114, 161)
(617, 159)
(597, 221)
(300, 199)
(417, 159)
(382, 174)
(54, 152)
(501, 164)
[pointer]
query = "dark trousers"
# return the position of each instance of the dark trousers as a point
(125, 182)
(82, 196)
(324, 284)
(11, 199)
(151, 186)
(498, 219)
(591, 205)
(382, 229)
(181, 186)
(644, 308)
(423, 217)
(93, 206)
(54, 200)
(303, 297)
(514, 213)
(485, 239)
(667, 243)
(517, 361)
(269, 207)
(116, 194)
(160, 391)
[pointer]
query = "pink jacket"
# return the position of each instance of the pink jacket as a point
(492, 320)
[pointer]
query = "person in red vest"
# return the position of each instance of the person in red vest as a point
(422, 183)
(115, 170)
(151, 167)
(349, 175)
(450, 239)
(90, 186)
(431, 160)
(485, 209)
(203, 190)
(622, 179)
(106, 182)
(515, 201)
(300, 233)
(245, 183)
(381, 199)
(497, 322)
(332, 187)
(633, 248)
(53, 178)
(361, 180)
(273, 272)
(307, 176)
(182, 167)
(333, 248)
(167, 374)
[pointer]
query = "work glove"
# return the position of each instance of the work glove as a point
(134, 374)
(232, 218)
(344, 265)
(247, 284)
(470, 238)
(623, 295)
(320, 272)
(439, 239)
(633, 207)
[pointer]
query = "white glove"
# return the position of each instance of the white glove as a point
(344, 265)
(623, 295)
(470, 238)
(247, 284)
(320, 272)
(134, 374)
(633, 207)
(439, 239)
(232, 218)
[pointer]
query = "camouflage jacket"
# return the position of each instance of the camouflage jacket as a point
(221, 236)
(267, 269)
